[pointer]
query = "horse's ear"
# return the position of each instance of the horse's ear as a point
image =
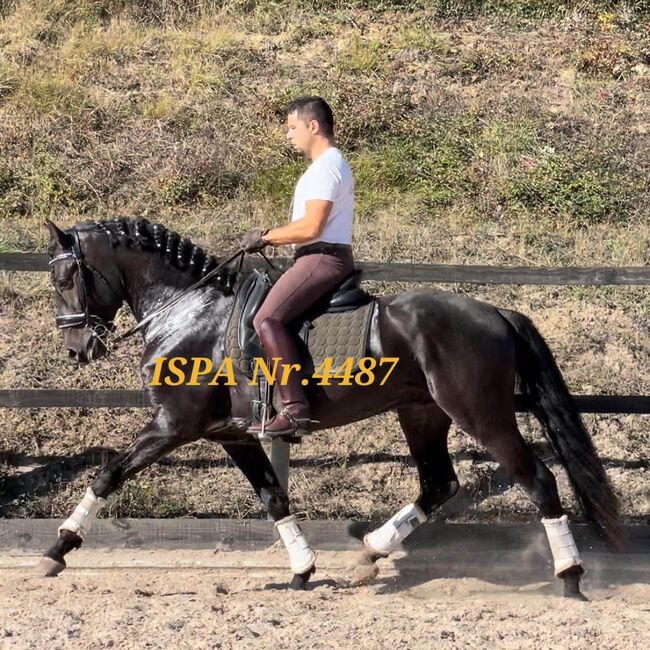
(57, 235)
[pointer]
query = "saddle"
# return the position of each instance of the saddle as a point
(337, 325)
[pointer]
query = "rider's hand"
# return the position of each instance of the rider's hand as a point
(253, 241)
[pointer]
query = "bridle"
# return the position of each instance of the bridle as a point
(100, 328)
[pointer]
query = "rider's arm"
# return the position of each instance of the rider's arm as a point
(307, 228)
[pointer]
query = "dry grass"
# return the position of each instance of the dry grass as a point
(474, 139)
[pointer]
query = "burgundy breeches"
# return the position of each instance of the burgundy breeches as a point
(308, 279)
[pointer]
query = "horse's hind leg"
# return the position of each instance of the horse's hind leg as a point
(251, 459)
(502, 439)
(477, 393)
(425, 428)
(154, 441)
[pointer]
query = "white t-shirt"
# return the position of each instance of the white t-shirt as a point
(328, 178)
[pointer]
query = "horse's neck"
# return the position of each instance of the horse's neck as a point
(201, 311)
(149, 283)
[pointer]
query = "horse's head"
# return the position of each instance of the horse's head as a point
(85, 299)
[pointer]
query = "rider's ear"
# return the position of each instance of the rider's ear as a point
(56, 234)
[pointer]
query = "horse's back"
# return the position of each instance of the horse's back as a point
(442, 314)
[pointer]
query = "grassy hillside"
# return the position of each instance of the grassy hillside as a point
(486, 132)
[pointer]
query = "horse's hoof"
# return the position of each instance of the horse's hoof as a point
(50, 568)
(576, 595)
(571, 578)
(365, 570)
(300, 580)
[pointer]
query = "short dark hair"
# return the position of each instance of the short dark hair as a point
(312, 107)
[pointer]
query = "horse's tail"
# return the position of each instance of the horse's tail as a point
(542, 383)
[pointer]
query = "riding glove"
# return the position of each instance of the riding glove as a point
(253, 241)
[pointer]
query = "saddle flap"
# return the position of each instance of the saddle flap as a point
(251, 295)
(352, 281)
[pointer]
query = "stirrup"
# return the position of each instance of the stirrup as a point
(293, 433)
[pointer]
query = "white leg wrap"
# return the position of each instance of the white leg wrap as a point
(563, 547)
(301, 555)
(80, 520)
(386, 538)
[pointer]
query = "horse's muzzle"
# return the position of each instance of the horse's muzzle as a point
(83, 348)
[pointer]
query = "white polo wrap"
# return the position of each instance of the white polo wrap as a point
(386, 538)
(80, 520)
(563, 547)
(301, 554)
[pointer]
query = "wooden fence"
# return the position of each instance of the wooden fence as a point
(390, 272)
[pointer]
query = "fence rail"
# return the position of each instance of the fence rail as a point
(111, 398)
(403, 272)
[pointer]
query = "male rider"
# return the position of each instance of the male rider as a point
(321, 234)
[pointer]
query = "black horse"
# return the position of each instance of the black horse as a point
(459, 360)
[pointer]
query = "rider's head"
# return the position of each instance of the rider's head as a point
(310, 124)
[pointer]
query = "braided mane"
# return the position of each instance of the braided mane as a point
(179, 252)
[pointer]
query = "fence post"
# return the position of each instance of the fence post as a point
(280, 453)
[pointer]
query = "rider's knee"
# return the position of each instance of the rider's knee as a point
(263, 322)
(258, 319)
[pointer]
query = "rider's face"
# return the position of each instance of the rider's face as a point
(300, 133)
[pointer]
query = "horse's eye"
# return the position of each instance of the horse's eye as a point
(64, 285)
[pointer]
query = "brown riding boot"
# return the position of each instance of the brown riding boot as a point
(293, 419)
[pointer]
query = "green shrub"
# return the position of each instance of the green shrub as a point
(12, 195)
(428, 169)
(176, 190)
(8, 81)
(481, 61)
(612, 56)
(160, 107)
(585, 187)
(362, 55)
(277, 183)
(49, 186)
(419, 37)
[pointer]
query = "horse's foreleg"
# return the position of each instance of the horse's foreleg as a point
(153, 442)
(251, 459)
(425, 429)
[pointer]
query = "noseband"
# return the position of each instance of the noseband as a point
(99, 328)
